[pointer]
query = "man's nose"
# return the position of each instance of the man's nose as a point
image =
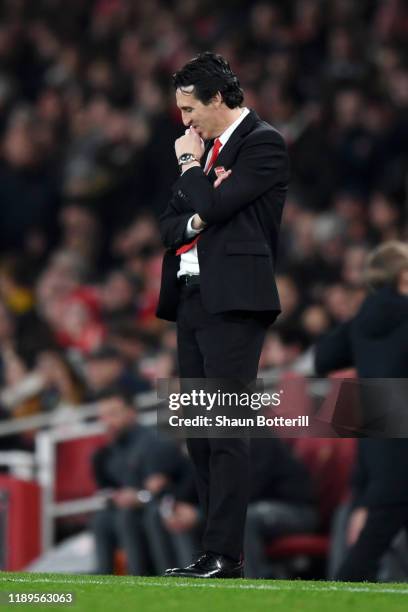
(187, 121)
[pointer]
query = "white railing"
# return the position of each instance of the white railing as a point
(21, 464)
(146, 402)
(45, 457)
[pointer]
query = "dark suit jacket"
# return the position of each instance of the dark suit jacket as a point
(237, 250)
(380, 476)
(276, 474)
(375, 341)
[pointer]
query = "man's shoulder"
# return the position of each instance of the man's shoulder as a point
(264, 132)
(142, 431)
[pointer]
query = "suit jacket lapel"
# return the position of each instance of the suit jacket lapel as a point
(229, 151)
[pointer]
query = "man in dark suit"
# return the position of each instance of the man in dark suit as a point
(220, 229)
(281, 503)
(375, 341)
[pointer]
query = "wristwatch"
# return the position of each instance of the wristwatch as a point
(186, 158)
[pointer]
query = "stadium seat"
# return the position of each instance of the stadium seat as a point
(329, 461)
(20, 522)
(74, 478)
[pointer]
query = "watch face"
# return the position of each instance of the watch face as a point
(186, 157)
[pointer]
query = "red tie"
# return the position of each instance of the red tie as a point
(215, 151)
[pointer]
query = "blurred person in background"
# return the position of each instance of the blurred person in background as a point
(78, 323)
(375, 342)
(140, 236)
(38, 381)
(353, 267)
(342, 301)
(151, 511)
(140, 249)
(119, 297)
(63, 387)
(20, 393)
(281, 502)
(22, 338)
(315, 322)
(106, 367)
(130, 340)
(282, 347)
(81, 233)
(384, 217)
(28, 185)
(69, 304)
(7, 327)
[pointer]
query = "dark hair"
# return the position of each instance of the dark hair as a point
(210, 73)
(117, 391)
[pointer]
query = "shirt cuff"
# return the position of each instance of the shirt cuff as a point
(190, 231)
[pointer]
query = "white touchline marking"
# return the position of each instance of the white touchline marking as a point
(258, 587)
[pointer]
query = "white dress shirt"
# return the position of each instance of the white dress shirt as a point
(189, 260)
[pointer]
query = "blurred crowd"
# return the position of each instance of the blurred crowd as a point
(87, 125)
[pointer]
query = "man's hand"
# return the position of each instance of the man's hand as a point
(356, 523)
(191, 142)
(156, 483)
(126, 498)
(221, 177)
(183, 518)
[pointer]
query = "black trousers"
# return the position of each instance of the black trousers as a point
(220, 346)
(363, 558)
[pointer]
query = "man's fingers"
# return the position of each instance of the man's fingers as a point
(190, 142)
(192, 130)
(222, 177)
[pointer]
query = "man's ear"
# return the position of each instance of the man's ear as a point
(217, 100)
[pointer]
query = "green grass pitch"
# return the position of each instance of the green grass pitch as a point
(126, 593)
